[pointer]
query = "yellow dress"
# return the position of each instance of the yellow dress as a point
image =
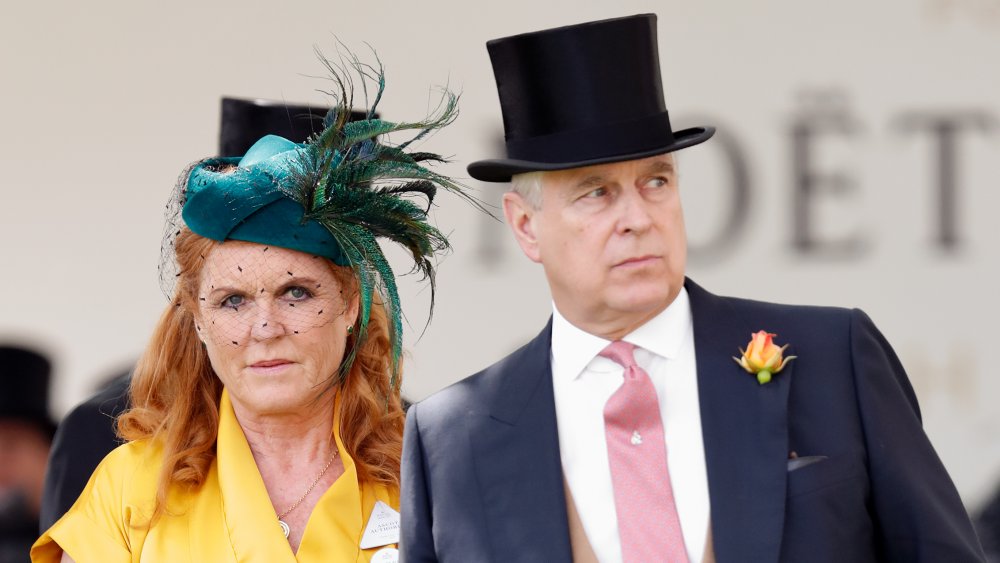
(229, 519)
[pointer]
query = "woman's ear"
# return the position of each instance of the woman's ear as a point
(353, 307)
(197, 328)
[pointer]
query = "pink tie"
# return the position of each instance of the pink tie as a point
(644, 500)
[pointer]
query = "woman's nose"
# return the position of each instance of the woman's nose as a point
(267, 323)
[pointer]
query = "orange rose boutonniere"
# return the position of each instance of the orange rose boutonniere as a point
(763, 357)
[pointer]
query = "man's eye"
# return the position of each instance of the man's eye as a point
(233, 301)
(658, 182)
(298, 293)
(597, 192)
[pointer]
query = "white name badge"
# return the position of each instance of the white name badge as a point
(387, 555)
(382, 528)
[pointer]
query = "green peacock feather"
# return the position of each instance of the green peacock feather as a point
(361, 188)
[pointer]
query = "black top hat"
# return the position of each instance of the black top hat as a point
(24, 387)
(244, 122)
(580, 95)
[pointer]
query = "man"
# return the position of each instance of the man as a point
(25, 434)
(625, 431)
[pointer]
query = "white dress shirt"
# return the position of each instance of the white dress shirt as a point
(583, 383)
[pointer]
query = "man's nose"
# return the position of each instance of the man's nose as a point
(634, 212)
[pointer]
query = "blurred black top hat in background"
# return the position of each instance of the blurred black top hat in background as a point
(24, 387)
(580, 95)
(244, 122)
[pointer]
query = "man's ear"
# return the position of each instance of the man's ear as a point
(522, 217)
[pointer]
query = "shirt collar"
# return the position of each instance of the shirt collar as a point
(574, 348)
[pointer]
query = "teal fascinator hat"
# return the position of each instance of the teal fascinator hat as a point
(333, 196)
(248, 199)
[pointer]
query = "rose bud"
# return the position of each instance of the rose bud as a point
(763, 357)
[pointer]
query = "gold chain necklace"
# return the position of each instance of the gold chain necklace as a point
(284, 526)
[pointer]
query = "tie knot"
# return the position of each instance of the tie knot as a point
(620, 352)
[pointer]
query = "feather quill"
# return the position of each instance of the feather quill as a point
(361, 188)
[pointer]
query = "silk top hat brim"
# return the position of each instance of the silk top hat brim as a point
(501, 169)
(581, 95)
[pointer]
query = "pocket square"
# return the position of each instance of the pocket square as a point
(800, 462)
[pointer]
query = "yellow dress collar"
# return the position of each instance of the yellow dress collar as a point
(333, 532)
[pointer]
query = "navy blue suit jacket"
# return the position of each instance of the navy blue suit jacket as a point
(482, 479)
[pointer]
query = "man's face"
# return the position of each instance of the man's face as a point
(611, 240)
(24, 451)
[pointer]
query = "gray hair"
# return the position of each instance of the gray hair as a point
(529, 186)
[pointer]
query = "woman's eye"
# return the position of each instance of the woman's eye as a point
(233, 301)
(298, 293)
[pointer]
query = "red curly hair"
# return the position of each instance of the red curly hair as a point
(175, 394)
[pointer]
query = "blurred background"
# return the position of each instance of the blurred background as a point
(855, 165)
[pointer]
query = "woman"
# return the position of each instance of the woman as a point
(266, 421)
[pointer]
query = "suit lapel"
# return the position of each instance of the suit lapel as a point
(517, 459)
(745, 430)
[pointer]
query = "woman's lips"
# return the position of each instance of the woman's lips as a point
(270, 365)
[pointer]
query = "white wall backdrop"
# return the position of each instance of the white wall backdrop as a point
(863, 138)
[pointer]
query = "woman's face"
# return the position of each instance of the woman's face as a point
(274, 322)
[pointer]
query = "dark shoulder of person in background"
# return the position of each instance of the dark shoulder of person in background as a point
(988, 527)
(84, 437)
